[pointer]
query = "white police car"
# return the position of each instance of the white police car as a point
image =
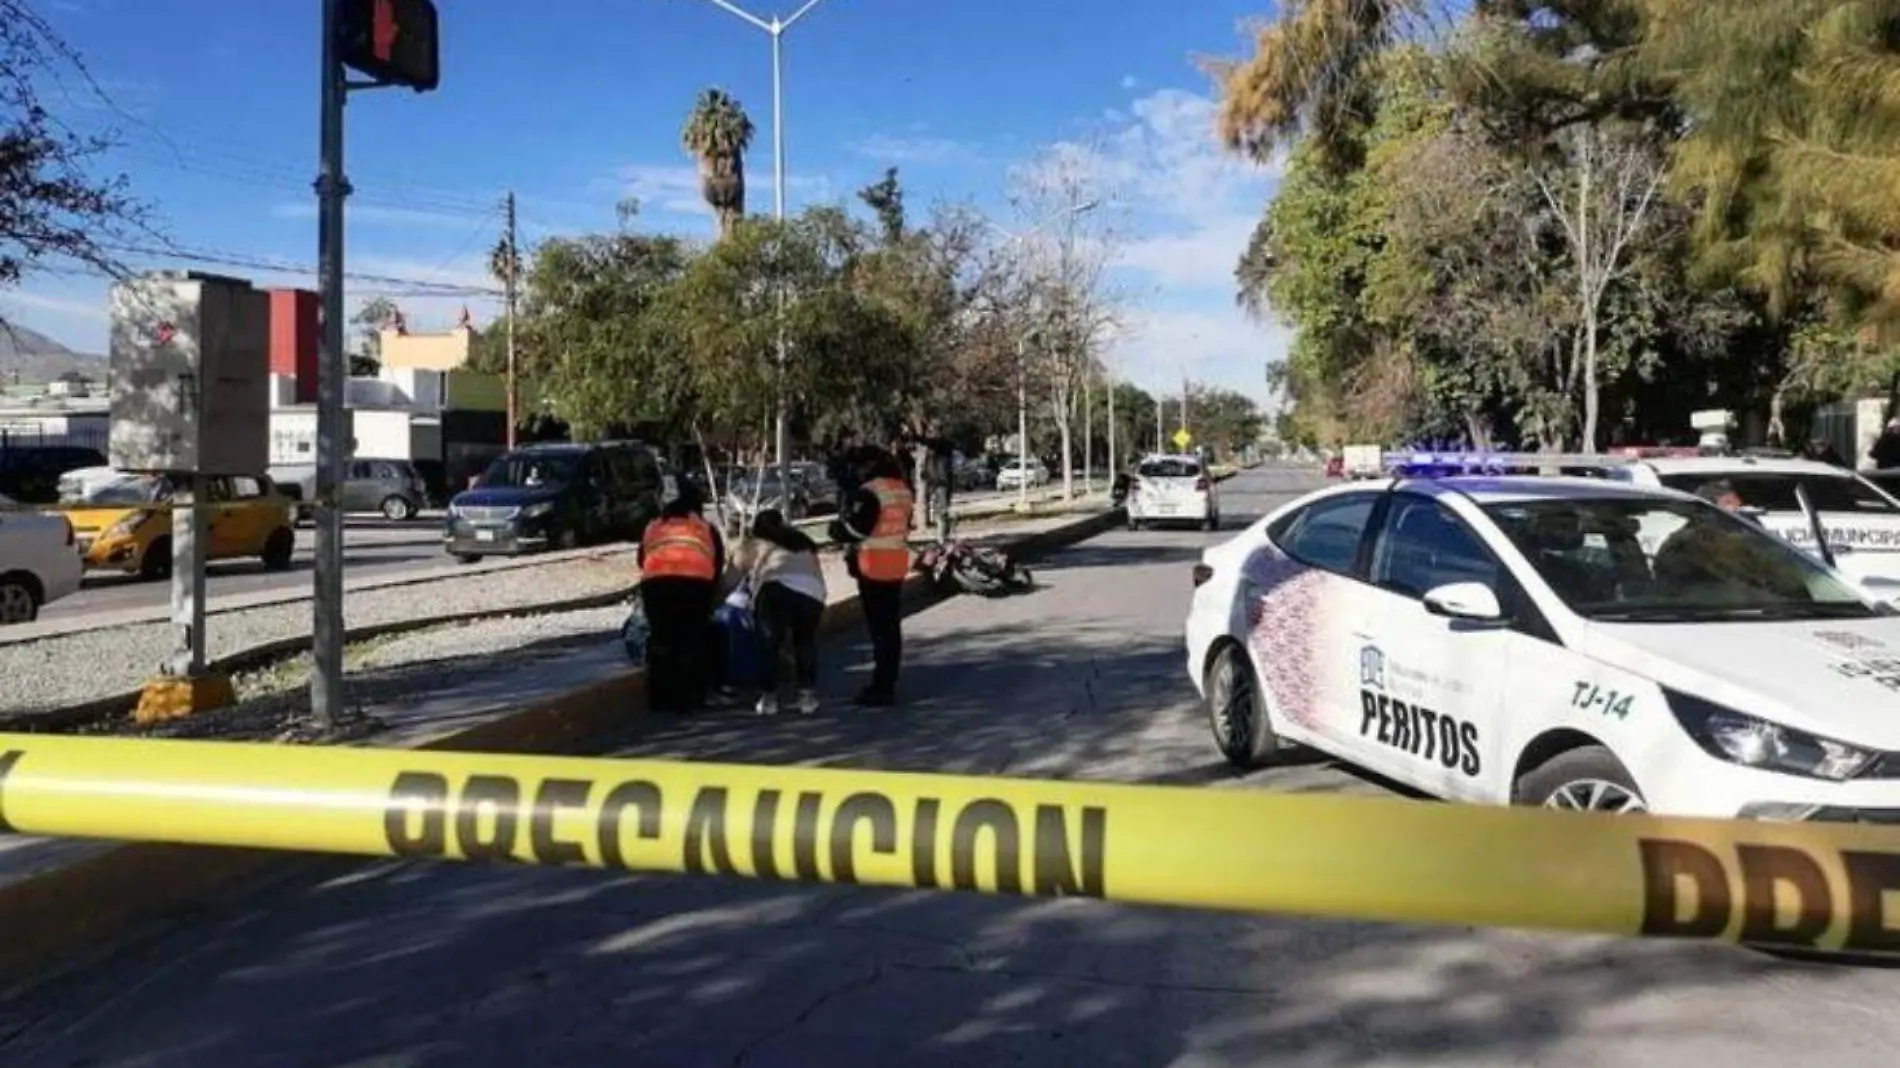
(1567, 642)
(1862, 522)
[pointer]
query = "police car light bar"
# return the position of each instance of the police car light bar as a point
(1419, 463)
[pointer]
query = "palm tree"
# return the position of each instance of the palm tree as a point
(716, 135)
(1312, 72)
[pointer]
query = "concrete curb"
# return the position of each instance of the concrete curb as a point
(64, 917)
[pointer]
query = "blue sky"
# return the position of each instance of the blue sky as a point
(574, 104)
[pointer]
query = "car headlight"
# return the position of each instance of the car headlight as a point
(536, 511)
(1754, 742)
(125, 526)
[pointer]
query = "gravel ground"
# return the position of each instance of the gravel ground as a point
(75, 668)
(274, 702)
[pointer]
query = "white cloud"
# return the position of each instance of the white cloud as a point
(673, 189)
(1209, 343)
(914, 150)
(83, 307)
(1129, 81)
(1190, 208)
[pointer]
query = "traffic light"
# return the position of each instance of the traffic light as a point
(392, 41)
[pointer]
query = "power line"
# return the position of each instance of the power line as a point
(422, 286)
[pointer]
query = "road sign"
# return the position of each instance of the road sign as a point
(392, 41)
(1182, 439)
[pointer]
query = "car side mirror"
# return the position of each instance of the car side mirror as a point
(1464, 600)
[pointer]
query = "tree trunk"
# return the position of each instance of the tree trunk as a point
(1590, 399)
(1068, 460)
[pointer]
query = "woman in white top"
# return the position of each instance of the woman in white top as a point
(787, 584)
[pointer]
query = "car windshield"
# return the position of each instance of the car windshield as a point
(1644, 560)
(1170, 469)
(530, 471)
(126, 492)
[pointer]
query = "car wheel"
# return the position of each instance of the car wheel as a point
(1237, 710)
(19, 600)
(398, 509)
(157, 562)
(466, 558)
(1586, 779)
(278, 549)
(567, 538)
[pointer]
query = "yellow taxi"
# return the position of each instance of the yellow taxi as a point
(125, 524)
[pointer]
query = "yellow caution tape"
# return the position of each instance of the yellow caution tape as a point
(1805, 885)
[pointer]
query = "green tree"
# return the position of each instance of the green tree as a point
(716, 135)
(885, 197)
(369, 321)
(591, 337)
(1794, 151)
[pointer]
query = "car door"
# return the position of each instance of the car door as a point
(1862, 525)
(358, 486)
(226, 519)
(1297, 602)
(1430, 687)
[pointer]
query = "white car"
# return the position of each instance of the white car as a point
(1861, 520)
(1565, 642)
(1172, 489)
(39, 562)
(1016, 473)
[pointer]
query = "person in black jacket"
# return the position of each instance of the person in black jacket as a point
(681, 559)
(880, 585)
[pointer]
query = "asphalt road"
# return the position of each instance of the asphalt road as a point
(433, 967)
(368, 545)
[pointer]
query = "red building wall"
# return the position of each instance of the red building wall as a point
(293, 339)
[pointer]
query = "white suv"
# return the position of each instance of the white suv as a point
(39, 562)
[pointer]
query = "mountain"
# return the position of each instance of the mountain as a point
(27, 356)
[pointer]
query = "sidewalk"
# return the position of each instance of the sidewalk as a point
(486, 692)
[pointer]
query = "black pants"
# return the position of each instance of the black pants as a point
(789, 618)
(883, 604)
(679, 617)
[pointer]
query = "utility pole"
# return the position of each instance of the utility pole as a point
(1161, 403)
(1109, 386)
(1088, 429)
(326, 599)
(1184, 400)
(513, 261)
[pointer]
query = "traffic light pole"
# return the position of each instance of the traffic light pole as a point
(326, 651)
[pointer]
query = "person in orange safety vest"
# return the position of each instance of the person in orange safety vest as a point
(681, 559)
(875, 521)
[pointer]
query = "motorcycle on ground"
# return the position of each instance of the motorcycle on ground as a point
(956, 566)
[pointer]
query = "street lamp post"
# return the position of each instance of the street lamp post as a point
(776, 28)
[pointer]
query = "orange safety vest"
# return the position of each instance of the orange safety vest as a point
(885, 555)
(677, 548)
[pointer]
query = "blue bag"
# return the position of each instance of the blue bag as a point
(741, 648)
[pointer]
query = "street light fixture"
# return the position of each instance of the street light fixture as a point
(775, 28)
(1017, 241)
